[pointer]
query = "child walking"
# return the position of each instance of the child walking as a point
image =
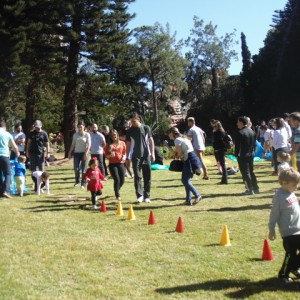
(93, 176)
(286, 213)
(284, 160)
(41, 180)
(20, 174)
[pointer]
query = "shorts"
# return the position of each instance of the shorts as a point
(20, 181)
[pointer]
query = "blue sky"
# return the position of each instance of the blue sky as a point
(251, 17)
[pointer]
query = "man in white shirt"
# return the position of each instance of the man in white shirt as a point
(19, 138)
(97, 145)
(196, 135)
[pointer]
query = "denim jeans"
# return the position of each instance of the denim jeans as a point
(5, 173)
(79, 166)
(186, 176)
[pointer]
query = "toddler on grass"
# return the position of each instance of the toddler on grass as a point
(93, 176)
(41, 179)
(20, 174)
(284, 160)
(286, 213)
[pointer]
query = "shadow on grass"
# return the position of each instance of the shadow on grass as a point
(248, 207)
(244, 288)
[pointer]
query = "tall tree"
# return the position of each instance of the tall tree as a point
(245, 74)
(210, 53)
(160, 63)
(288, 66)
(88, 35)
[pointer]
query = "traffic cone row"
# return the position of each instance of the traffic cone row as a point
(225, 240)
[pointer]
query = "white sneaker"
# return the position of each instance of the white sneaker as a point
(95, 207)
(82, 187)
(140, 199)
(147, 200)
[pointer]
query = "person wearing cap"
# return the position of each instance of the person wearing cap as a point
(6, 141)
(37, 144)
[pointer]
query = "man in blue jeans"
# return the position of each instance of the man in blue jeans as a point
(140, 150)
(244, 151)
(6, 141)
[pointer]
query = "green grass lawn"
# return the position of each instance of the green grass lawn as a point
(56, 247)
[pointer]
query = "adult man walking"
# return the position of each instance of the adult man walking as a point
(37, 144)
(6, 141)
(97, 145)
(196, 135)
(140, 150)
(20, 139)
(244, 151)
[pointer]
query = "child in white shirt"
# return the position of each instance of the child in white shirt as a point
(41, 179)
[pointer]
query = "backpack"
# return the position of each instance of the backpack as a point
(228, 142)
(176, 165)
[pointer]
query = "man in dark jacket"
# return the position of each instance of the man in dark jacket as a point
(244, 151)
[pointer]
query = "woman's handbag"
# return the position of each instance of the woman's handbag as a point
(176, 165)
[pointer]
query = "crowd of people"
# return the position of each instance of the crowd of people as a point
(133, 147)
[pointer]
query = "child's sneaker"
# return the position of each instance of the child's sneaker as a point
(95, 207)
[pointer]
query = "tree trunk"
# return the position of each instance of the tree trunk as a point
(70, 95)
(30, 105)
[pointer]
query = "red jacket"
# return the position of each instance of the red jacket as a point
(95, 175)
(120, 152)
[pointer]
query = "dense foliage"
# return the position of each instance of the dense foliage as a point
(61, 60)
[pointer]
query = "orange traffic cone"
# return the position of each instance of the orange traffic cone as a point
(151, 220)
(103, 206)
(267, 253)
(179, 227)
(131, 215)
(120, 209)
(225, 241)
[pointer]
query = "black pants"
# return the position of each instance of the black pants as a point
(117, 171)
(220, 157)
(291, 245)
(246, 168)
(94, 195)
(142, 166)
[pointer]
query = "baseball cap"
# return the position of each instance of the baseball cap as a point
(37, 123)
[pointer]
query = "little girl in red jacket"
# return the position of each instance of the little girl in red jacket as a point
(93, 176)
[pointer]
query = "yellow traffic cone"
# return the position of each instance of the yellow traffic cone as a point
(294, 161)
(120, 209)
(225, 241)
(131, 215)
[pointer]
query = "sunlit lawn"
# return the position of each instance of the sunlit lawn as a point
(56, 247)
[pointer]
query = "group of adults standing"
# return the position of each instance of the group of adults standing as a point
(281, 135)
(138, 149)
(35, 145)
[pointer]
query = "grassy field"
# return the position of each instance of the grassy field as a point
(57, 247)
